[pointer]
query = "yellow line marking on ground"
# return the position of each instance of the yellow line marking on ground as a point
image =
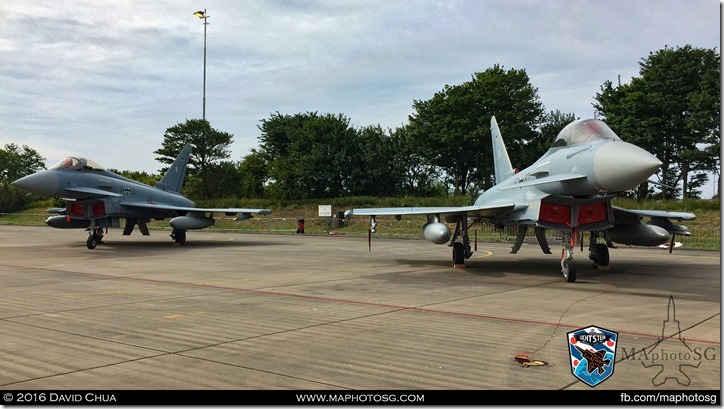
(489, 253)
(192, 314)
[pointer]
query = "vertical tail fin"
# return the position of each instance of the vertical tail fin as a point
(501, 161)
(173, 180)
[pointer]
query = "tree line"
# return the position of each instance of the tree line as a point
(671, 109)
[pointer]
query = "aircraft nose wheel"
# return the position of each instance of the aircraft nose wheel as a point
(568, 268)
(94, 238)
(91, 242)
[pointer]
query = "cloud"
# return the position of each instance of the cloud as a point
(105, 80)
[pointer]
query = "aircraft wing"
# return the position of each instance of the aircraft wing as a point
(488, 210)
(659, 218)
(620, 212)
(227, 211)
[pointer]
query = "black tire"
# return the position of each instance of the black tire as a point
(179, 236)
(91, 243)
(602, 255)
(569, 271)
(458, 253)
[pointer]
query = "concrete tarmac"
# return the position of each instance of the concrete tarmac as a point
(263, 311)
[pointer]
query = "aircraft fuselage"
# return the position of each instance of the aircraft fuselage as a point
(100, 193)
(567, 188)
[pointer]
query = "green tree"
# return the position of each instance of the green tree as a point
(419, 177)
(210, 145)
(254, 174)
(309, 155)
(377, 170)
(672, 109)
(278, 147)
(226, 179)
(16, 162)
(452, 129)
(324, 155)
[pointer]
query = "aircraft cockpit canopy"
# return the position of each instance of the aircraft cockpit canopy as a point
(585, 130)
(73, 163)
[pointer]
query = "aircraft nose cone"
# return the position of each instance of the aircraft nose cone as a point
(42, 183)
(620, 166)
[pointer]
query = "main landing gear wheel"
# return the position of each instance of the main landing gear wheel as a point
(601, 255)
(568, 270)
(179, 236)
(458, 253)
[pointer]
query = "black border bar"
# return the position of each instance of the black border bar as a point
(590, 397)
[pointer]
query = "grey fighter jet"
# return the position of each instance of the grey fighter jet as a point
(569, 190)
(98, 199)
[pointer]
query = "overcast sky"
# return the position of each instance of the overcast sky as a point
(105, 79)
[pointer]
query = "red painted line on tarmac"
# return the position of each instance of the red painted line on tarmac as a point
(435, 311)
(365, 303)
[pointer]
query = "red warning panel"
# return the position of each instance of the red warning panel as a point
(592, 213)
(555, 213)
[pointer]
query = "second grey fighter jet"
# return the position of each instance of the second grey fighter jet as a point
(98, 199)
(569, 189)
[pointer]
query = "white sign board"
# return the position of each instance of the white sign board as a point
(325, 210)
